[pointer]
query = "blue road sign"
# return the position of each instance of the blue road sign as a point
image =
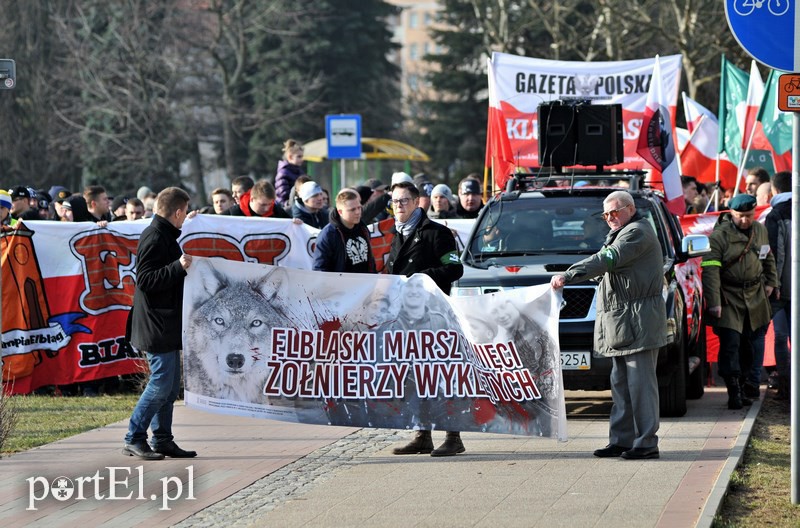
(343, 133)
(766, 30)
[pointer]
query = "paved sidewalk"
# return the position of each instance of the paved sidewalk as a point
(265, 473)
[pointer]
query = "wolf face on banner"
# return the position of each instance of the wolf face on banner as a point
(228, 335)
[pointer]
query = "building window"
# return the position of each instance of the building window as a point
(412, 52)
(428, 19)
(413, 82)
(412, 20)
(426, 48)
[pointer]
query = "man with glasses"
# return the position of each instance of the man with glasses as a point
(421, 245)
(631, 324)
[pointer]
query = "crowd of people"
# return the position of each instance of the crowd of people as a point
(746, 278)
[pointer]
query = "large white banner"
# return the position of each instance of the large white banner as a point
(523, 83)
(370, 350)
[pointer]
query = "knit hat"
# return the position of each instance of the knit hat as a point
(470, 187)
(399, 177)
(375, 184)
(309, 189)
(143, 191)
(443, 190)
(5, 199)
(118, 202)
(742, 203)
(425, 189)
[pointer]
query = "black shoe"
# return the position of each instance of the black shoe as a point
(422, 444)
(641, 453)
(172, 450)
(751, 390)
(452, 446)
(142, 451)
(610, 450)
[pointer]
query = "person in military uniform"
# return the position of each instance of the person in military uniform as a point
(738, 277)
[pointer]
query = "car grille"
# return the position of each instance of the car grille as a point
(578, 301)
(580, 341)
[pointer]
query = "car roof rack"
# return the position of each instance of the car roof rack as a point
(549, 178)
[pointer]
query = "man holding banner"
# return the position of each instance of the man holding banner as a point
(631, 324)
(423, 246)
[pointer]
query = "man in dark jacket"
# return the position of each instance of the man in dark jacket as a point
(155, 327)
(779, 230)
(421, 245)
(631, 324)
(343, 244)
(258, 202)
(470, 198)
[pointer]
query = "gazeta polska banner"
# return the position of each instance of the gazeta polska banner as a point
(370, 351)
(523, 83)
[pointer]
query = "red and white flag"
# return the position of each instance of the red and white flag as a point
(657, 142)
(698, 156)
(755, 94)
(499, 155)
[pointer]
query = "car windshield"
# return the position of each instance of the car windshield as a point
(536, 224)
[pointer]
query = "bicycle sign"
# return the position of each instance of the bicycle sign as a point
(789, 93)
(766, 30)
(776, 7)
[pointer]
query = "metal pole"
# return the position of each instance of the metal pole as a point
(344, 179)
(795, 383)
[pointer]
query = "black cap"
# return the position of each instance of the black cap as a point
(375, 184)
(18, 192)
(118, 202)
(469, 187)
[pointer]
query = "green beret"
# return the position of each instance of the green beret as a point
(742, 203)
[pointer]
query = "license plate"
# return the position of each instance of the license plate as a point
(576, 360)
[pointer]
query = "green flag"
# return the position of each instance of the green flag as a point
(777, 125)
(732, 93)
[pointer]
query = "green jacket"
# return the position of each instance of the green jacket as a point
(631, 312)
(737, 284)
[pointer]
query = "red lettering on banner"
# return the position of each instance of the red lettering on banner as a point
(212, 246)
(267, 249)
(381, 242)
(108, 267)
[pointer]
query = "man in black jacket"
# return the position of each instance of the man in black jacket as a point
(421, 245)
(155, 327)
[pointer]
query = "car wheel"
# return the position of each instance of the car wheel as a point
(672, 397)
(697, 379)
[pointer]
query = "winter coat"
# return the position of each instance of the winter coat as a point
(156, 317)
(779, 230)
(631, 312)
(284, 180)
(430, 249)
(243, 209)
(330, 251)
(735, 280)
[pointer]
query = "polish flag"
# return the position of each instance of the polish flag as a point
(657, 142)
(499, 155)
(755, 94)
(698, 157)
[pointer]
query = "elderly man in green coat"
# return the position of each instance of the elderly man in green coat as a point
(631, 324)
(739, 275)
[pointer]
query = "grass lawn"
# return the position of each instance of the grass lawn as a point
(44, 419)
(760, 490)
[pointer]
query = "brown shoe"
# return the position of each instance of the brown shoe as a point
(422, 444)
(452, 445)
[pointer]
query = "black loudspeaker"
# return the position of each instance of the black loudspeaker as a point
(558, 134)
(599, 133)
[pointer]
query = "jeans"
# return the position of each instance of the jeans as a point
(154, 408)
(781, 318)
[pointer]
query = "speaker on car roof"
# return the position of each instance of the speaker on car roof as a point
(557, 134)
(599, 132)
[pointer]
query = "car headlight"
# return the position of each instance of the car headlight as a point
(465, 292)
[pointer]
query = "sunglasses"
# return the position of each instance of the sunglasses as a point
(613, 213)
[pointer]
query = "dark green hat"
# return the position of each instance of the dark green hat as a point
(742, 203)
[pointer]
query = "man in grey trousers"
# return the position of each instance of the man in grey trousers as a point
(631, 324)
